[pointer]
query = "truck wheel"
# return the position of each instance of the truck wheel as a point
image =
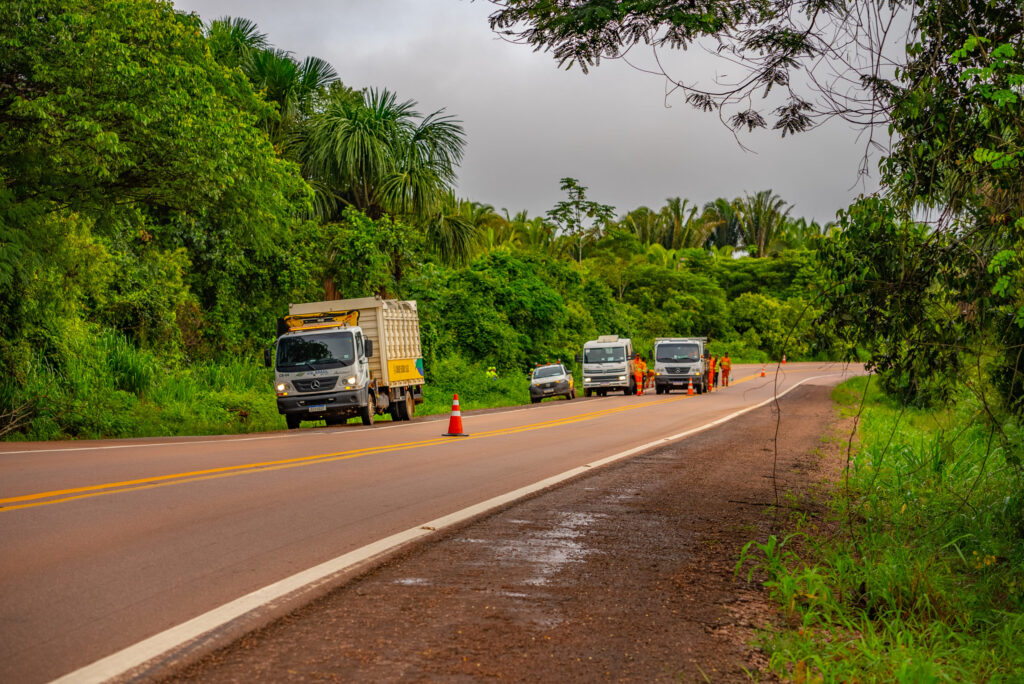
(369, 411)
(410, 406)
(293, 421)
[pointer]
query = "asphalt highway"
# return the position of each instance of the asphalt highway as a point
(108, 543)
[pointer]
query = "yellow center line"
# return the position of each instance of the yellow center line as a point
(72, 494)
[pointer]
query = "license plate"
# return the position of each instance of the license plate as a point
(549, 391)
(317, 408)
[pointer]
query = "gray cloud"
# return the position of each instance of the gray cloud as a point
(529, 124)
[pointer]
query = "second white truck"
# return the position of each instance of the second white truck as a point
(678, 361)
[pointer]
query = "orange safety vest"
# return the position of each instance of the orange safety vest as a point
(726, 364)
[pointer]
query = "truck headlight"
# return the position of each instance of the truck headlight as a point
(587, 379)
(622, 377)
(350, 381)
(281, 387)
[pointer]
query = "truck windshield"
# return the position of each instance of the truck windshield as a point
(313, 352)
(677, 351)
(604, 355)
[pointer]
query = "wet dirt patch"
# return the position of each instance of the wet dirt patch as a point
(625, 574)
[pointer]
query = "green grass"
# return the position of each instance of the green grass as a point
(103, 386)
(922, 578)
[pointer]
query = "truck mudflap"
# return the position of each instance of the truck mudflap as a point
(315, 406)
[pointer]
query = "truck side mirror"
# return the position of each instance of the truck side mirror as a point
(268, 357)
(369, 348)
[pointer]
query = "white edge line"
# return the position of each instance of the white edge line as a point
(138, 654)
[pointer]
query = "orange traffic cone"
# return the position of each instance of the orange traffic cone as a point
(762, 370)
(689, 388)
(783, 358)
(455, 422)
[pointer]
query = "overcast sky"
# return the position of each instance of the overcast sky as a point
(529, 124)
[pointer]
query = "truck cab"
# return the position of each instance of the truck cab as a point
(678, 361)
(322, 374)
(608, 366)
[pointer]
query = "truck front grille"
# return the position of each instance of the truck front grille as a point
(316, 384)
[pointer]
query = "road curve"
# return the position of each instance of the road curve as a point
(108, 543)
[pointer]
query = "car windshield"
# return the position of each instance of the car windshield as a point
(547, 371)
(678, 351)
(314, 352)
(604, 355)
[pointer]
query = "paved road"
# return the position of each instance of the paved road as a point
(107, 543)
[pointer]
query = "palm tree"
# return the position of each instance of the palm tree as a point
(761, 218)
(380, 156)
(291, 85)
(233, 39)
(799, 234)
(722, 218)
(451, 231)
(645, 224)
(682, 227)
(537, 234)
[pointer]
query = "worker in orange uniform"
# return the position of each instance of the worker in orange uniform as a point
(639, 373)
(726, 363)
(711, 372)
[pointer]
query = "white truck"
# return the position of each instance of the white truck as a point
(339, 359)
(678, 361)
(608, 366)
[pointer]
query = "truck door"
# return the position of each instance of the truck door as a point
(364, 363)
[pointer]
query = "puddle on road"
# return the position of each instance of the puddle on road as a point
(545, 552)
(413, 581)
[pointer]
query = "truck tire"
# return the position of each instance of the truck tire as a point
(409, 406)
(293, 421)
(370, 410)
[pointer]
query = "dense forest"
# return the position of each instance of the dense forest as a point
(169, 187)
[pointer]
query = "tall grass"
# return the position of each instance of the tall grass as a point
(98, 384)
(922, 578)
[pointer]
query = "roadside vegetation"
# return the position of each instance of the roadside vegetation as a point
(917, 574)
(158, 222)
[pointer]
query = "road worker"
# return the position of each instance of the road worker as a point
(639, 373)
(492, 373)
(726, 364)
(711, 371)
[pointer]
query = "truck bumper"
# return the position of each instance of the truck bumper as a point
(676, 381)
(316, 406)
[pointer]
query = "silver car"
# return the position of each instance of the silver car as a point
(552, 380)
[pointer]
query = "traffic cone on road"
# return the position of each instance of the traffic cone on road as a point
(783, 358)
(762, 370)
(455, 422)
(689, 388)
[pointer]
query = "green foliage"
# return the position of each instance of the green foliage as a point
(155, 229)
(929, 584)
(899, 290)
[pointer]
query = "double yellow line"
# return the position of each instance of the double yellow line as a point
(73, 494)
